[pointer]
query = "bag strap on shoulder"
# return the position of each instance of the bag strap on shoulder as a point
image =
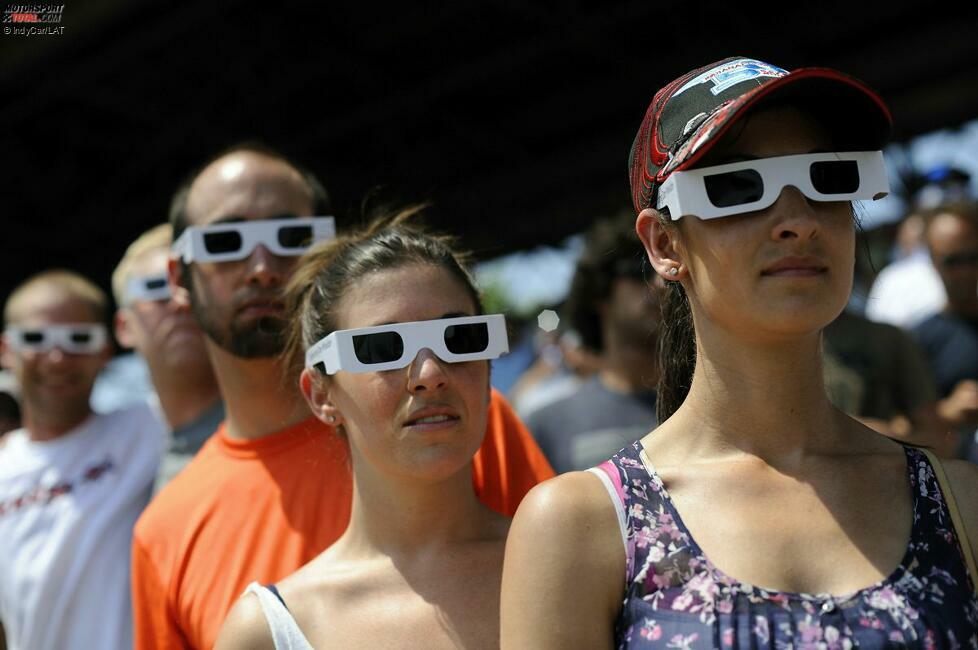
(952, 506)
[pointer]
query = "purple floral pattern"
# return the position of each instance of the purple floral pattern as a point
(675, 597)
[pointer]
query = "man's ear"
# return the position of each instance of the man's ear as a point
(123, 332)
(661, 245)
(179, 292)
(316, 391)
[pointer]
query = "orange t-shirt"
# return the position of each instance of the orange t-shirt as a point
(246, 510)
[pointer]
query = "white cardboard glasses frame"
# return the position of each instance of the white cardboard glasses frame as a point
(76, 338)
(336, 351)
(191, 245)
(684, 192)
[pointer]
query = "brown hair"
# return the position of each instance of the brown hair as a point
(327, 271)
(677, 345)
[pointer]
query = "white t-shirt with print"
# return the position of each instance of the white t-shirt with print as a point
(67, 509)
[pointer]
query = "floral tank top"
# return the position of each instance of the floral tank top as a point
(675, 598)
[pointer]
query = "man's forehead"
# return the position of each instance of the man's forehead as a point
(151, 262)
(250, 186)
(49, 304)
(950, 227)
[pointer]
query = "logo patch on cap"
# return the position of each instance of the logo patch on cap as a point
(732, 73)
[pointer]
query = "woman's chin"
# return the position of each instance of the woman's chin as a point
(438, 463)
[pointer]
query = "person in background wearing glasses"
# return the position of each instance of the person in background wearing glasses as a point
(72, 483)
(271, 488)
(950, 338)
(167, 337)
(396, 356)
(757, 514)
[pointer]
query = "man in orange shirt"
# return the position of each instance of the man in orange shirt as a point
(271, 489)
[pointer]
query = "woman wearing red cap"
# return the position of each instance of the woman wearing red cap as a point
(757, 514)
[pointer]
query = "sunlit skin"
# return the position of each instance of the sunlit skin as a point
(779, 488)
(777, 273)
(421, 554)
(55, 385)
(235, 297)
(243, 187)
(162, 331)
(378, 407)
(166, 335)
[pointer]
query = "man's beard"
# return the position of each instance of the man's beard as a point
(257, 339)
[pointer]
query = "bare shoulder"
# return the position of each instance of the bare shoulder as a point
(569, 507)
(565, 540)
(245, 627)
(308, 592)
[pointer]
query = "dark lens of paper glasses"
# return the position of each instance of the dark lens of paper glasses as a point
(294, 236)
(228, 241)
(835, 176)
(381, 347)
(734, 188)
(467, 339)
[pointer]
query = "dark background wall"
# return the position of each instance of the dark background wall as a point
(514, 117)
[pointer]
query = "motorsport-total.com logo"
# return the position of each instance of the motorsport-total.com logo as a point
(33, 19)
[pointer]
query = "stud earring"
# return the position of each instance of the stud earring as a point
(330, 419)
(674, 271)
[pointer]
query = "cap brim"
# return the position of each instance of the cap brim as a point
(855, 114)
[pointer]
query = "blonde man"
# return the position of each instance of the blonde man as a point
(165, 334)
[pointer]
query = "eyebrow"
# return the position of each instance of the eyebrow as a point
(743, 157)
(240, 219)
(451, 314)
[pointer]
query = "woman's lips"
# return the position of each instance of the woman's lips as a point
(795, 267)
(431, 419)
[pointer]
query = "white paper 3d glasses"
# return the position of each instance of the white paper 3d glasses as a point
(76, 338)
(736, 188)
(236, 240)
(147, 288)
(387, 347)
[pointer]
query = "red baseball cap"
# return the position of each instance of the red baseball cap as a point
(690, 115)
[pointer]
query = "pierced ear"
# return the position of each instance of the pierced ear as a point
(316, 391)
(661, 245)
(179, 293)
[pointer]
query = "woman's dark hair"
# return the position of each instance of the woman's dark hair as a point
(327, 271)
(677, 347)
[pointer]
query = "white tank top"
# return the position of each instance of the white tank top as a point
(285, 631)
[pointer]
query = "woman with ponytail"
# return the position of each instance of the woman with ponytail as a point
(756, 515)
(393, 350)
